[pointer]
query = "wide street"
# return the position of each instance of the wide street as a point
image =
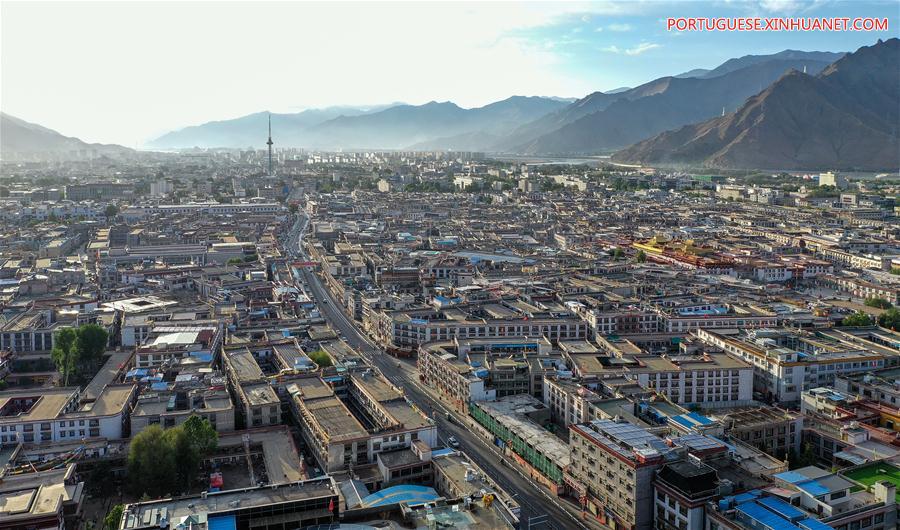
(535, 501)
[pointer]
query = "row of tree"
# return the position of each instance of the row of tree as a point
(889, 319)
(78, 351)
(166, 461)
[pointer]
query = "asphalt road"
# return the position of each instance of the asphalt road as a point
(534, 500)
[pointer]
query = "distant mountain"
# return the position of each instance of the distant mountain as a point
(843, 118)
(732, 65)
(696, 72)
(407, 125)
(391, 127)
(550, 135)
(21, 139)
(251, 130)
(618, 90)
(660, 105)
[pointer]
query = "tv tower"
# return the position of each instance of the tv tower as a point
(269, 143)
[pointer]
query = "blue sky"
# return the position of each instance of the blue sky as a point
(129, 71)
(626, 44)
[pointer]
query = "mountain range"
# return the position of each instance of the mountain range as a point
(392, 127)
(846, 117)
(789, 110)
(19, 138)
(600, 122)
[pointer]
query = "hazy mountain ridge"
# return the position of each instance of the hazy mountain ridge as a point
(19, 137)
(662, 104)
(251, 130)
(843, 118)
(391, 127)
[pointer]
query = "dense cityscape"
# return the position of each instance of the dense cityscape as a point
(673, 305)
(602, 345)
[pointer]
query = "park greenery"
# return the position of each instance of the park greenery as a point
(890, 319)
(78, 351)
(321, 358)
(166, 461)
(857, 319)
(879, 303)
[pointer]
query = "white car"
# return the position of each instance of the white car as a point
(453, 442)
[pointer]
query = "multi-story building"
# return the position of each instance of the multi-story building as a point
(410, 329)
(769, 429)
(614, 464)
(337, 438)
(787, 362)
(681, 491)
(47, 416)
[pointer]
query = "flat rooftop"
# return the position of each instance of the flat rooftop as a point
(46, 404)
(149, 514)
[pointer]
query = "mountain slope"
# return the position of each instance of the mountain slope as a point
(667, 103)
(844, 118)
(732, 65)
(19, 138)
(405, 125)
(392, 127)
(289, 129)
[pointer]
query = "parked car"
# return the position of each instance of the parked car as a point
(453, 442)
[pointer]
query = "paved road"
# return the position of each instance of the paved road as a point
(534, 500)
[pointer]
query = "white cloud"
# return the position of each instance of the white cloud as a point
(620, 27)
(635, 50)
(129, 84)
(781, 6)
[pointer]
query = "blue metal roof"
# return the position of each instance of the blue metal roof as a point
(782, 508)
(791, 476)
(813, 487)
(222, 522)
(700, 418)
(681, 420)
(762, 517)
(403, 493)
(813, 524)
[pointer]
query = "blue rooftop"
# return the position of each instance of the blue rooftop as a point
(403, 493)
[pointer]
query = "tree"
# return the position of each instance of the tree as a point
(151, 463)
(292, 207)
(91, 344)
(641, 257)
(64, 353)
(857, 319)
(201, 434)
(111, 211)
(112, 519)
(890, 319)
(321, 358)
(618, 253)
(880, 303)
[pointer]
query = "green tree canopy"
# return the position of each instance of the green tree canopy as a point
(64, 353)
(321, 358)
(151, 463)
(112, 519)
(184, 447)
(641, 257)
(880, 303)
(857, 319)
(890, 319)
(91, 343)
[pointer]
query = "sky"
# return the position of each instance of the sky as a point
(126, 72)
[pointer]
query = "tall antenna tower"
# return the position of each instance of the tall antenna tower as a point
(269, 143)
